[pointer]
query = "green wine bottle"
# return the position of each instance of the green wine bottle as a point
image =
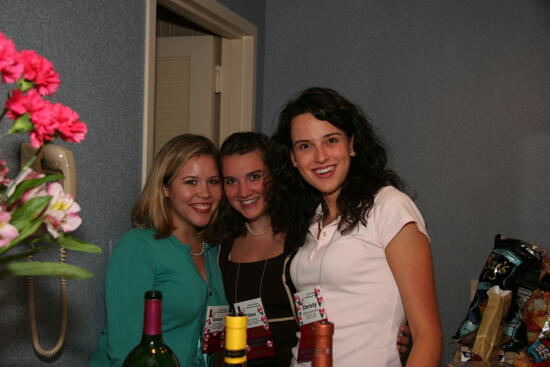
(151, 351)
(235, 341)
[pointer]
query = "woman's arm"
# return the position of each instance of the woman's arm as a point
(410, 261)
(127, 278)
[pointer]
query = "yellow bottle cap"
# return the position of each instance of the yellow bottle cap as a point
(235, 332)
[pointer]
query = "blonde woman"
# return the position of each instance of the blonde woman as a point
(165, 251)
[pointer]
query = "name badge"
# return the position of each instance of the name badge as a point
(310, 308)
(258, 335)
(213, 336)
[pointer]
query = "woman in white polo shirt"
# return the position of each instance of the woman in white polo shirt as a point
(364, 244)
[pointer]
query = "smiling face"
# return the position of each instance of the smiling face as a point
(244, 183)
(322, 153)
(194, 193)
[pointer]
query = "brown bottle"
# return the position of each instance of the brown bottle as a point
(322, 337)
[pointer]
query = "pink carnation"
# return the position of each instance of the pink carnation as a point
(11, 66)
(68, 123)
(40, 71)
(40, 112)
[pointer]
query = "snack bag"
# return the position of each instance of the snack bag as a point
(489, 336)
(536, 310)
(512, 265)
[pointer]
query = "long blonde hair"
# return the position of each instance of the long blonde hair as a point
(152, 209)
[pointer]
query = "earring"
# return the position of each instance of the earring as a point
(352, 153)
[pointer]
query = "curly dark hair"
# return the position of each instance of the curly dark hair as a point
(230, 224)
(367, 174)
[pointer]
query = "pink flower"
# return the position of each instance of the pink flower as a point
(10, 65)
(68, 123)
(40, 71)
(40, 112)
(7, 231)
(62, 213)
(35, 191)
(4, 181)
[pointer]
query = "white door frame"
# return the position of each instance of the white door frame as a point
(238, 75)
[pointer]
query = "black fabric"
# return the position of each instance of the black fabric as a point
(274, 299)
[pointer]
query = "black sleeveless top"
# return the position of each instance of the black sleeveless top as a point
(242, 282)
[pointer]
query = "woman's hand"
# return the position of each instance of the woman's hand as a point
(404, 341)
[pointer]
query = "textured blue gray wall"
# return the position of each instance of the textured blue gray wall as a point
(459, 90)
(97, 48)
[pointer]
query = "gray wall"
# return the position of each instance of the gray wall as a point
(97, 48)
(459, 90)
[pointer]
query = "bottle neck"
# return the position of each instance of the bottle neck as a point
(152, 320)
(322, 355)
(235, 340)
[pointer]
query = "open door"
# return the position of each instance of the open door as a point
(237, 80)
(186, 98)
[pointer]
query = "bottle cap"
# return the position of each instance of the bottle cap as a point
(235, 332)
(323, 328)
(236, 322)
(153, 294)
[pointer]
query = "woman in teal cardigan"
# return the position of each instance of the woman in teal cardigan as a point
(165, 251)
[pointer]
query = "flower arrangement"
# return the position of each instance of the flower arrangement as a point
(32, 200)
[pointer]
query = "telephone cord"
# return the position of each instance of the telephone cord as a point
(48, 353)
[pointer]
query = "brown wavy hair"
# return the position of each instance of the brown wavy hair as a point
(368, 169)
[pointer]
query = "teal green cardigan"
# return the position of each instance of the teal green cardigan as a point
(139, 263)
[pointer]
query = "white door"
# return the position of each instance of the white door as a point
(185, 88)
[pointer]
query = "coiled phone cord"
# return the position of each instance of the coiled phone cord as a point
(49, 353)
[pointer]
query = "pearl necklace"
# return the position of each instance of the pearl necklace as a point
(190, 251)
(261, 233)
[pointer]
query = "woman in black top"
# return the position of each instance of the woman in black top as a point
(253, 256)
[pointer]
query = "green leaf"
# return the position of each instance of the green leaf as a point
(28, 231)
(76, 244)
(26, 185)
(44, 268)
(23, 255)
(28, 212)
(22, 125)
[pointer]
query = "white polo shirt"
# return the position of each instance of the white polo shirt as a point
(360, 293)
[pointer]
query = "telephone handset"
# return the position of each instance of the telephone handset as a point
(52, 159)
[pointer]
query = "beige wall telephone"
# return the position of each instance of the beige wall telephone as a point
(52, 159)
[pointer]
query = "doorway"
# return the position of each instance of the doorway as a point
(232, 40)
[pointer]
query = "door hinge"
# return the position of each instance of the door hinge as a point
(218, 86)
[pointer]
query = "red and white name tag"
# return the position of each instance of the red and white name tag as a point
(258, 335)
(213, 337)
(310, 308)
